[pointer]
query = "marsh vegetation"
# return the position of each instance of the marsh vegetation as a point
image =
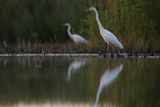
(37, 25)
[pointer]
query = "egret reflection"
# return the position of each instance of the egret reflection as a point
(108, 77)
(75, 66)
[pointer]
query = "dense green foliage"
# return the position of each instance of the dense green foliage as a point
(32, 20)
(134, 22)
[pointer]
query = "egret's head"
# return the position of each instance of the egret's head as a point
(92, 9)
(67, 24)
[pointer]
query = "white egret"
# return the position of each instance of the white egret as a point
(76, 38)
(108, 37)
(108, 77)
(75, 66)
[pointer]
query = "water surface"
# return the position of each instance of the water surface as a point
(79, 82)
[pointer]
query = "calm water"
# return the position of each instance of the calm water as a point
(79, 82)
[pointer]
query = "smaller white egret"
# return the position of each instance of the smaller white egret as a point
(108, 37)
(108, 77)
(76, 38)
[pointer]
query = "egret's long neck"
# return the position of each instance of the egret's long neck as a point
(98, 21)
(69, 31)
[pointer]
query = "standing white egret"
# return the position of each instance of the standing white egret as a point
(76, 38)
(108, 37)
(108, 77)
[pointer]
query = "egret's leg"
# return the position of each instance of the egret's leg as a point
(112, 52)
(119, 52)
(107, 48)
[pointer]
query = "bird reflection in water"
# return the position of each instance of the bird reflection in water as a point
(108, 77)
(75, 66)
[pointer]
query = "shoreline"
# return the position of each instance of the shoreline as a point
(49, 54)
(81, 55)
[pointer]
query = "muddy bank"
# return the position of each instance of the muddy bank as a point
(43, 48)
(69, 48)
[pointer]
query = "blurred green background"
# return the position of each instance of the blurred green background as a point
(134, 22)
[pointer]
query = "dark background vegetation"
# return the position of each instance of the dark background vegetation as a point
(27, 22)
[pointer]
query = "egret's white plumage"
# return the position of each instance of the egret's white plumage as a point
(108, 37)
(75, 37)
(108, 77)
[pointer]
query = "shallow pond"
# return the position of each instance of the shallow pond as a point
(79, 82)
